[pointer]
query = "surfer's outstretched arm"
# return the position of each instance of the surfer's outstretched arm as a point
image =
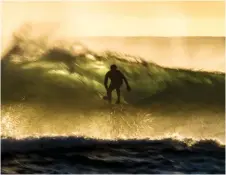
(106, 80)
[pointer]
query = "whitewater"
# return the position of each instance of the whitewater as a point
(55, 121)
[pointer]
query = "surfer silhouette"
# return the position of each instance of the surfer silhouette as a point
(116, 78)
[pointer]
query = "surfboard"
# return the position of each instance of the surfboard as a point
(105, 97)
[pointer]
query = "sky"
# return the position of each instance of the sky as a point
(135, 18)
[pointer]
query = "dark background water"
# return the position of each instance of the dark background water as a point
(79, 155)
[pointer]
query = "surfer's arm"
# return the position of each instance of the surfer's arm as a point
(106, 80)
(125, 80)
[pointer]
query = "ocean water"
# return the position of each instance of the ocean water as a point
(70, 155)
(55, 121)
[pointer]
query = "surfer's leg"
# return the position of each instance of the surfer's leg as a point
(109, 91)
(118, 95)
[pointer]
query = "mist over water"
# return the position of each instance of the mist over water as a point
(35, 121)
(199, 53)
(190, 52)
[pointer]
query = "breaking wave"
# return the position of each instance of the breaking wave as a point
(57, 89)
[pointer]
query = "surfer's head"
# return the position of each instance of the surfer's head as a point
(113, 67)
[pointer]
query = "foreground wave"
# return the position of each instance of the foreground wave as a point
(84, 155)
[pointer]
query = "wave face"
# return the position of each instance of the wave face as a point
(58, 88)
(62, 155)
(52, 94)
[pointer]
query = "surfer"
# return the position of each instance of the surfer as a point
(116, 78)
